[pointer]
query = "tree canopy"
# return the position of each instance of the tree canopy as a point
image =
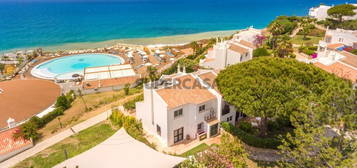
(275, 88)
(259, 52)
(339, 11)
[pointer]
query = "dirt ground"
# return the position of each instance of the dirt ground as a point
(99, 103)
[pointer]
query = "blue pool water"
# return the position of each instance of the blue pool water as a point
(75, 63)
(38, 23)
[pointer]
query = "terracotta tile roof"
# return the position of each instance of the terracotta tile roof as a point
(210, 77)
(110, 82)
(349, 59)
(238, 49)
(189, 90)
(209, 59)
(248, 44)
(9, 144)
(23, 99)
(341, 70)
(334, 46)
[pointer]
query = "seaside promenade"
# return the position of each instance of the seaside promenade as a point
(55, 139)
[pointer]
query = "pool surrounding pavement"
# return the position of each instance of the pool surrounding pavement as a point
(64, 67)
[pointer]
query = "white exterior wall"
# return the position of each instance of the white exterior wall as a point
(233, 57)
(320, 13)
(342, 36)
(152, 113)
(218, 53)
(189, 120)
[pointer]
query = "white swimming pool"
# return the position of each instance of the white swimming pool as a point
(65, 67)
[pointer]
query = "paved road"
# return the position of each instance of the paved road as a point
(55, 139)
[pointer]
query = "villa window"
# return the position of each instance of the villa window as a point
(158, 130)
(202, 108)
(230, 118)
(200, 127)
(225, 109)
(178, 113)
(241, 58)
(178, 135)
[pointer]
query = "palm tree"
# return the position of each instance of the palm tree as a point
(81, 96)
(152, 71)
(194, 45)
(2, 67)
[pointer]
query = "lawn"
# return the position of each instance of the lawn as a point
(74, 145)
(298, 39)
(195, 150)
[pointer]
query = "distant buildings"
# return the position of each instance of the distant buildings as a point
(320, 13)
(237, 50)
(184, 106)
(333, 55)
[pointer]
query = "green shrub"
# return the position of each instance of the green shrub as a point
(117, 118)
(132, 126)
(126, 89)
(308, 50)
(246, 126)
(130, 105)
(260, 52)
(354, 51)
(27, 130)
(250, 139)
(51, 115)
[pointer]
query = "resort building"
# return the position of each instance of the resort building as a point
(23, 99)
(108, 78)
(334, 53)
(320, 13)
(184, 106)
(230, 52)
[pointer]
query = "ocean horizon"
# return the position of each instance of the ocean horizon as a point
(29, 24)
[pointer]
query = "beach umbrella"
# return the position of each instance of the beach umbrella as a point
(75, 75)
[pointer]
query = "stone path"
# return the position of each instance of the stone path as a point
(268, 155)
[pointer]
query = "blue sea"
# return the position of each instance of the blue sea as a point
(29, 23)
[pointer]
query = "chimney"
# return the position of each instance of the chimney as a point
(11, 122)
(178, 68)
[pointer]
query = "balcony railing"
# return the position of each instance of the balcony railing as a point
(212, 115)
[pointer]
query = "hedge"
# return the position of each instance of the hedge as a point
(250, 139)
(132, 126)
(30, 128)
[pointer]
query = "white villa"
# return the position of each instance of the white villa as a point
(237, 50)
(320, 13)
(332, 56)
(330, 49)
(184, 106)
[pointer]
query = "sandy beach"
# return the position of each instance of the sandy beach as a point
(164, 40)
